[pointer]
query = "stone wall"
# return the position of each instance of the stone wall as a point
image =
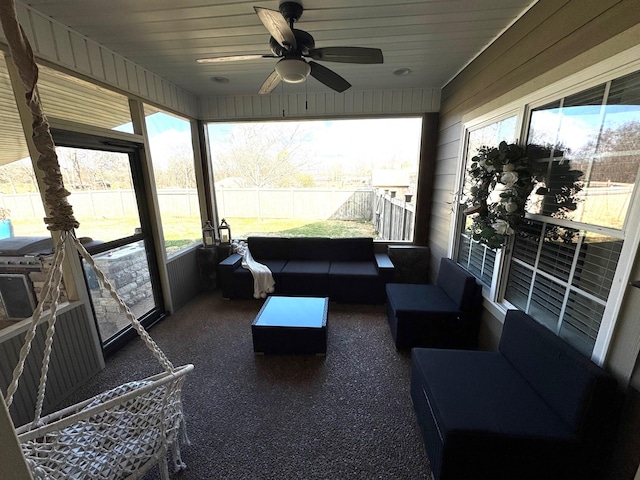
(128, 271)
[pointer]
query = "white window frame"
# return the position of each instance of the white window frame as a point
(614, 67)
(490, 293)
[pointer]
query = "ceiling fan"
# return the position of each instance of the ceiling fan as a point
(292, 46)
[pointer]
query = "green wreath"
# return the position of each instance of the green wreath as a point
(500, 181)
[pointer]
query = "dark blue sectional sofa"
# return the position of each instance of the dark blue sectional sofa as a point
(535, 409)
(344, 269)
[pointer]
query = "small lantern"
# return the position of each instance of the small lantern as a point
(224, 231)
(208, 234)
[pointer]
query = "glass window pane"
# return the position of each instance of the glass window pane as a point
(334, 178)
(481, 260)
(581, 322)
(127, 268)
(557, 252)
(70, 98)
(174, 172)
(546, 301)
(588, 153)
(518, 286)
(102, 195)
(597, 263)
(525, 248)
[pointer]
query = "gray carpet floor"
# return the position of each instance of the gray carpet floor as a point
(346, 415)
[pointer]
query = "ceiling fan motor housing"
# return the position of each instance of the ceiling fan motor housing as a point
(304, 41)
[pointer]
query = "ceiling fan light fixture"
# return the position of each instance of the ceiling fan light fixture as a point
(293, 70)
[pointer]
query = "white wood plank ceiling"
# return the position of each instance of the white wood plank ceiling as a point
(435, 39)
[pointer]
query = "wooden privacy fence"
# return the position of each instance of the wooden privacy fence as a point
(308, 203)
(393, 216)
(311, 203)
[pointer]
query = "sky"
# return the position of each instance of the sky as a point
(378, 141)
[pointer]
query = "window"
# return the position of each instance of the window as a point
(562, 277)
(476, 257)
(591, 141)
(561, 270)
(334, 178)
(562, 274)
(174, 171)
(102, 194)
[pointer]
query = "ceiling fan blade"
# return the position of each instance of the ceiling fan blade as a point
(330, 78)
(277, 26)
(347, 54)
(233, 58)
(270, 83)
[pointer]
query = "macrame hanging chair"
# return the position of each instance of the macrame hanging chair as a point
(123, 432)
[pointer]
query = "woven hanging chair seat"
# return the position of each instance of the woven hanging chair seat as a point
(120, 433)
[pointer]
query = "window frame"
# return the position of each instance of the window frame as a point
(390, 198)
(492, 292)
(495, 302)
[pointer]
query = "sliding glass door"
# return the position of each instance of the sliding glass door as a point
(108, 199)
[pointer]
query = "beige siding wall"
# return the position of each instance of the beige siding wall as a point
(553, 40)
(552, 33)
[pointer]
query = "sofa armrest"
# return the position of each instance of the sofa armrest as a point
(385, 267)
(226, 275)
(231, 262)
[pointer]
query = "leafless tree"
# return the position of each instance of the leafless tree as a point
(263, 155)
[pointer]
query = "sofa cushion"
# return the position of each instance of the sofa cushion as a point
(268, 248)
(567, 380)
(352, 249)
(407, 298)
(305, 277)
(306, 267)
(358, 269)
(275, 266)
(457, 283)
(310, 249)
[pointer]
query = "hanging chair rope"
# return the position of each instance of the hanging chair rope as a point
(106, 283)
(60, 214)
(120, 433)
(60, 218)
(52, 281)
(54, 297)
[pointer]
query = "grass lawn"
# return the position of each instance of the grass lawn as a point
(244, 227)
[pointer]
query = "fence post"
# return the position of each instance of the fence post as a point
(403, 232)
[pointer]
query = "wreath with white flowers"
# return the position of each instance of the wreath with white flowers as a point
(499, 182)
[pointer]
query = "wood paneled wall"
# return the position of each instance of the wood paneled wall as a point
(74, 360)
(184, 279)
(349, 103)
(57, 43)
